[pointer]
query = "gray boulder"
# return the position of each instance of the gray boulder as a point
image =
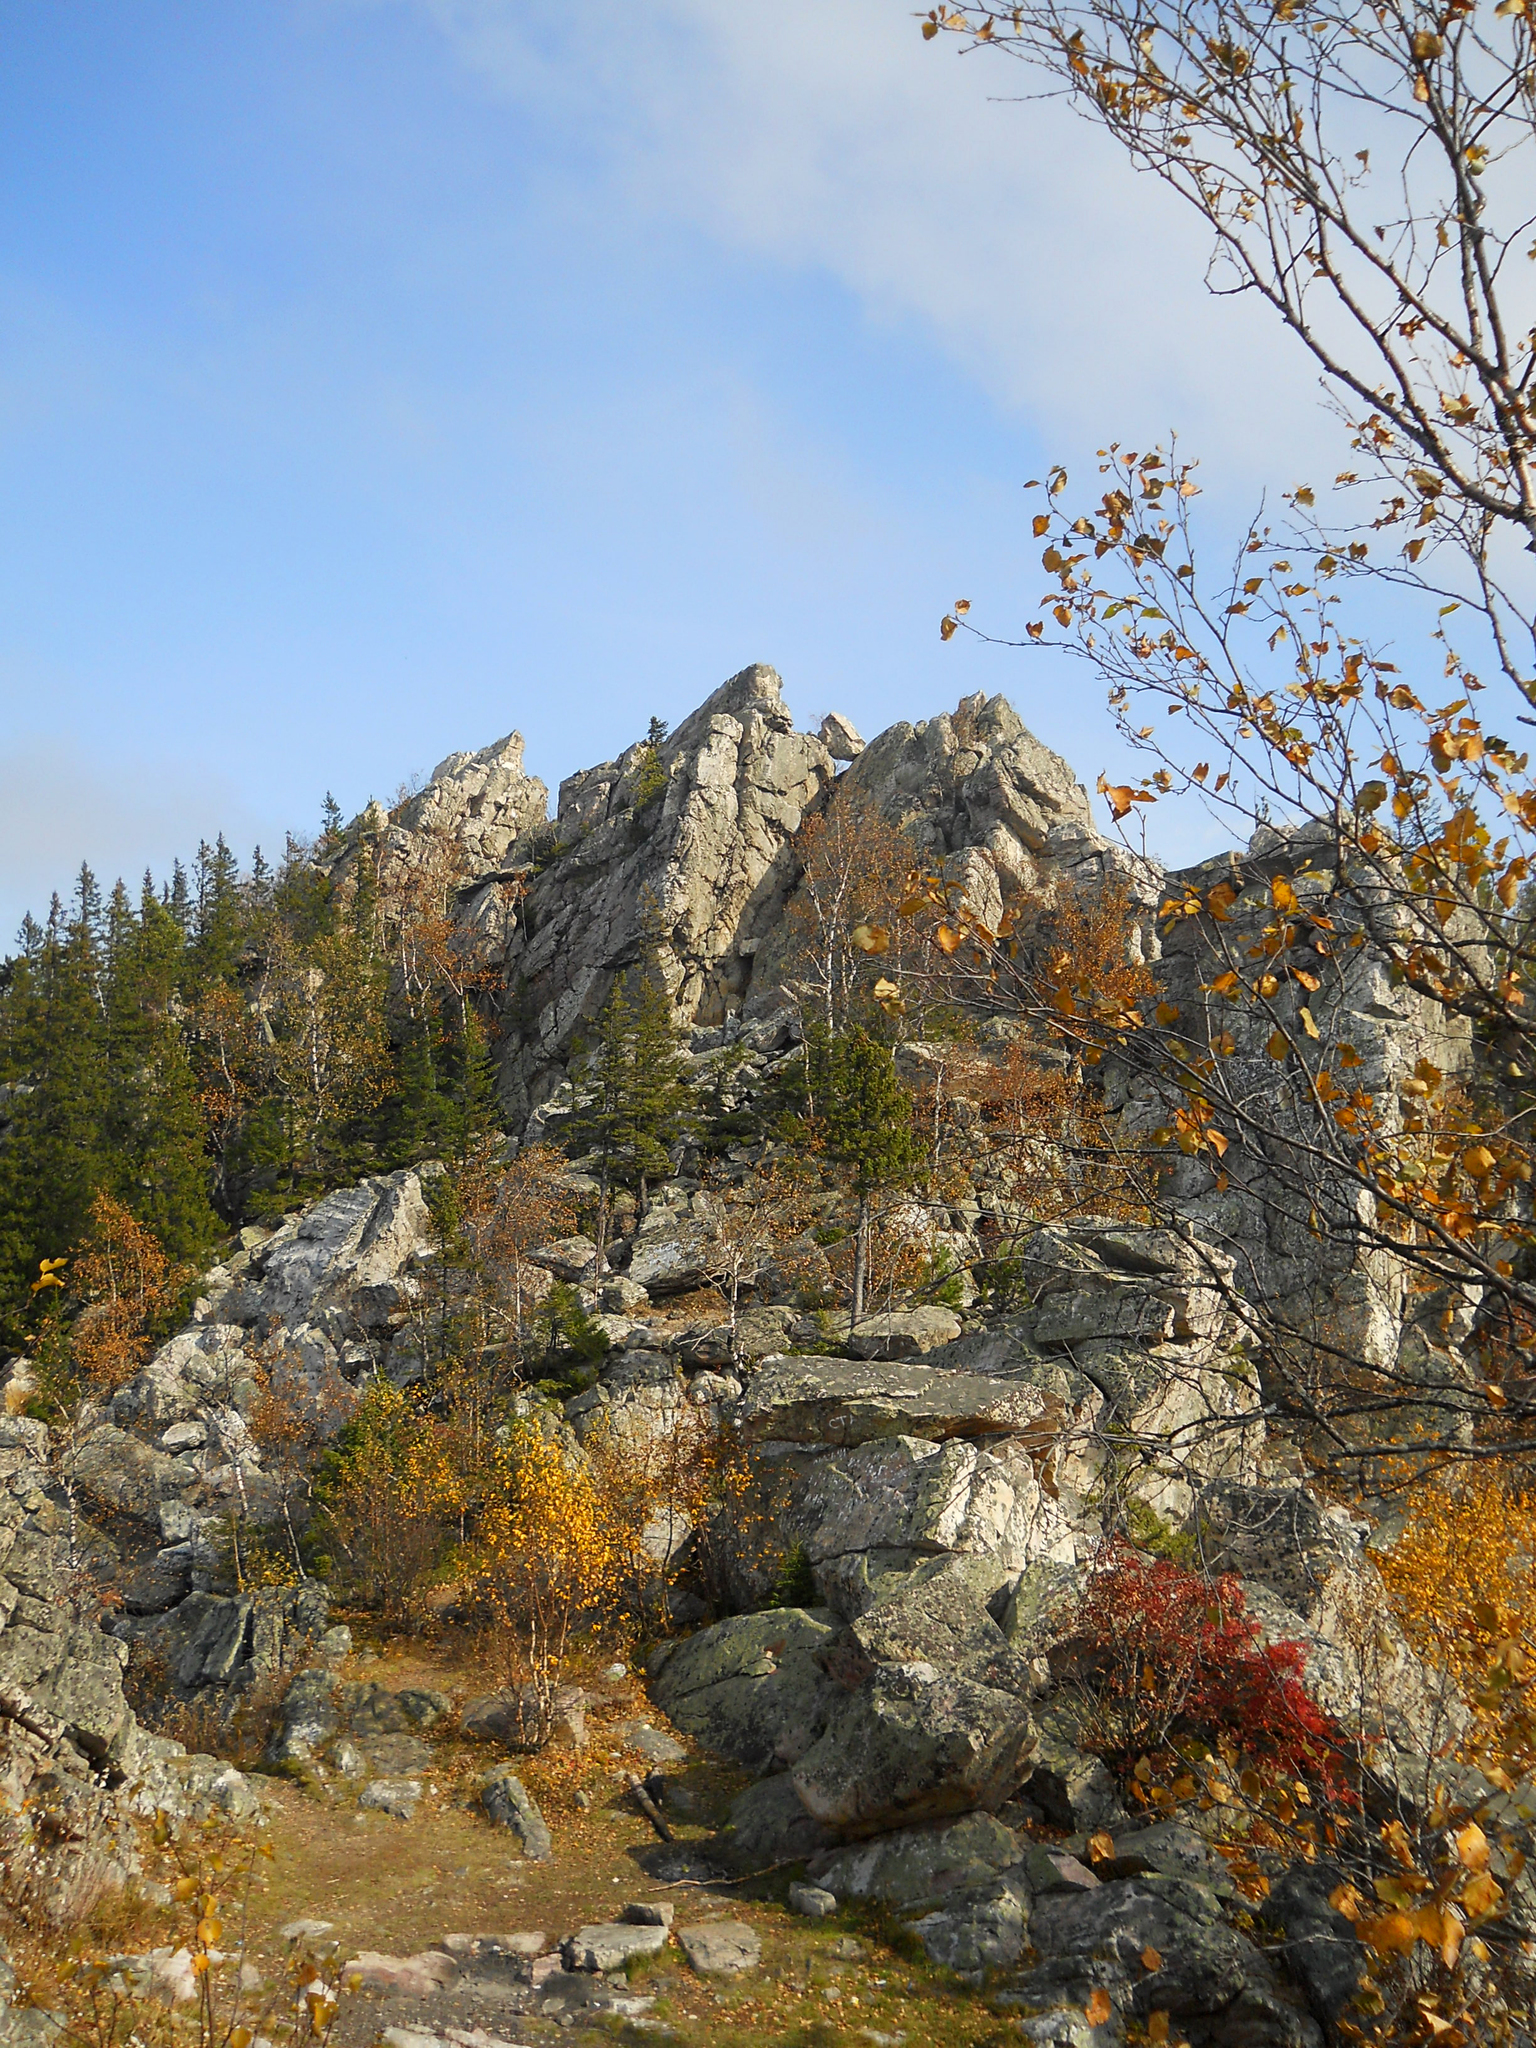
(74, 1675)
(358, 1238)
(307, 1719)
(673, 1253)
(568, 1258)
(160, 1582)
(750, 1688)
(811, 1902)
(1320, 1948)
(934, 1617)
(981, 1928)
(398, 1797)
(846, 1401)
(904, 1333)
(1218, 1988)
(768, 1825)
(507, 1805)
(885, 1506)
(915, 1866)
(126, 1476)
(374, 1710)
(914, 1744)
(610, 1947)
(1072, 1788)
(721, 1948)
(840, 737)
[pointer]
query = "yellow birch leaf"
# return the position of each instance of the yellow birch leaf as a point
(1279, 1046)
(1482, 1894)
(1472, 1847)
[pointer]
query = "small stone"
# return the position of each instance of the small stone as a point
(582, 1801)
(349, 1759)
(304, 1930)
(614, 1673)
(721, 1948)
(811, 1901)
(649, 1913)
(398, 1797)
(418, 1976)
(184, 1436)
(654, 1744)
(475, 1946)
(336, 1644)
(599, 1949)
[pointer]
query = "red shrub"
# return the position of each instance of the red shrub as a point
(1176, 1656)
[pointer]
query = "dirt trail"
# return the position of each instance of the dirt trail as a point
(400, 1888)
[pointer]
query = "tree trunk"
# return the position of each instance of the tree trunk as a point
(860, 1259)
(600, 1264)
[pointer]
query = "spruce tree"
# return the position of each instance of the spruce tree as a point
(218, 922)
(866, 1120)
(57, 1150)
(157, 1132)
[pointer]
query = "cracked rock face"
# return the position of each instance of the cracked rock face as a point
(696, 838)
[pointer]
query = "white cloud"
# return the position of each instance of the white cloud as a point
(1068, 285)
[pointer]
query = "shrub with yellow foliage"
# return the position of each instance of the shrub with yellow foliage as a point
(390, 1497)
(545, 1556)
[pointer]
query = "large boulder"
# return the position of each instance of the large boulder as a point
(1218, 1988)
(980, 1928)
(75, 1675)
(904, 1333)
(200, 1368)
(359, 1237)
(751, 1688)
(127, 1477)
(915, 1866)
(914, 1744)
(883, 1506)
(934, 1616)
(845, 1401)
(674, 1252)
(768, 1825)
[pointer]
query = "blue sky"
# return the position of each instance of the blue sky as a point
(377, 376)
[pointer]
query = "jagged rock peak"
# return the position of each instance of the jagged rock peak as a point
(484, 800)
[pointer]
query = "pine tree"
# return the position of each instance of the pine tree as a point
(866, 1120)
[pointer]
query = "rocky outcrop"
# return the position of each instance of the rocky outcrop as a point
(1260, 1206)
(76, 1770)
(690, 842)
